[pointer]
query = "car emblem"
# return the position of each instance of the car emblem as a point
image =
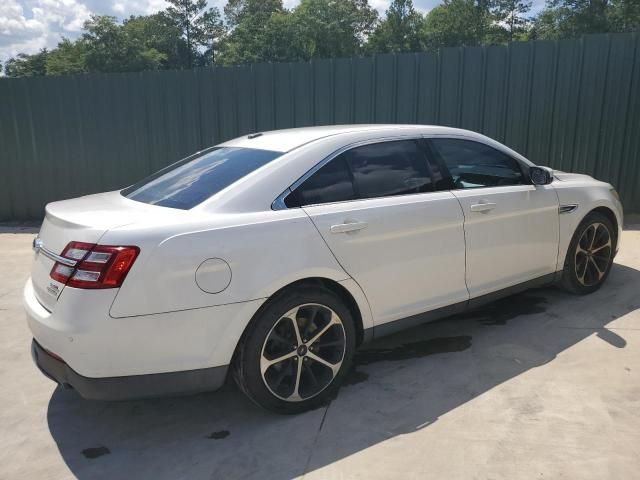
(53, 289)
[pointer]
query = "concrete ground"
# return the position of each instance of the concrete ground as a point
(541, 385)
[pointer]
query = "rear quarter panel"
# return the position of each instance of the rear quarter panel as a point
(265, 251)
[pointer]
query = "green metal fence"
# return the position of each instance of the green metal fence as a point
(573, 105)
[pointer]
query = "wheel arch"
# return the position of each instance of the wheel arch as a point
(351, 295)
(569, 224)
(611, 216)
(570, 279)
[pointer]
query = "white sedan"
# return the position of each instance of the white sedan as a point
(275, 255)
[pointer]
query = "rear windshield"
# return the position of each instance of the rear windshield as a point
(191, 181)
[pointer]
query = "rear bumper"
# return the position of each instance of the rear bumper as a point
(131, 387)
(95, 345)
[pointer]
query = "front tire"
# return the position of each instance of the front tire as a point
(296, 351)
(590, 255)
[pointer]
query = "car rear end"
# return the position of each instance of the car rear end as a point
(73, 282)
(93, 328)
(75, 279)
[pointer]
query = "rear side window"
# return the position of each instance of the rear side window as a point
(375, 170)
(389, 168)
(191, 181)
(331, 183)
(474, 165)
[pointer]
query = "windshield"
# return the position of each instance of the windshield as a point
(191, 181)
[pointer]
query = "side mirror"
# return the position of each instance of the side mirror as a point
(541, 175)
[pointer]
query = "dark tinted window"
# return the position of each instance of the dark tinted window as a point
(389, 168)
(331, 183)
(376, 170)
(191, 181)
(474, 164)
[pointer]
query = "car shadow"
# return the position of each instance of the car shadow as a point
(400, 384)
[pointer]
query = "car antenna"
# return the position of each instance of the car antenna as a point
(254, 135)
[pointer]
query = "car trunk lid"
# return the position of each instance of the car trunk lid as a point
(84, 219)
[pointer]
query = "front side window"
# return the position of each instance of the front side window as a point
(370, 171)
(474, 165)
(191, 181)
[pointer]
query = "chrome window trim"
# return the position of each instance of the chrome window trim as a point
(278, 203)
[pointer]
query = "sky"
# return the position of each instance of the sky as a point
(26, 26)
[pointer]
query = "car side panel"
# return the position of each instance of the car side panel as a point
(264, 251)
(587, 194)
(410, 257)
(514, 241)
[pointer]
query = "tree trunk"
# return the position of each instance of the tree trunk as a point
(188, 25)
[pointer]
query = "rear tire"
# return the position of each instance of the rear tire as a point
(590, 255)
(296, 351)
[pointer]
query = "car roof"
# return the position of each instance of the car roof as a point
(289, 139)
(303, 148)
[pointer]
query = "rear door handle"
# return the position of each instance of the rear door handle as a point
(348, 227)
(483, 207)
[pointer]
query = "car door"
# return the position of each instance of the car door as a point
(376, 208)
(511, 226)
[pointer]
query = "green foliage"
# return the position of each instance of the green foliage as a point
(327, 28)
(624, 15)
(111, 48)
(212, 32)
(189, 34)
(67, 58)
(199, 26)
(252, 27)
(511, 15)
(24, 65)
(400, 31)
(456, 23)
(572, 18)
(157, 34)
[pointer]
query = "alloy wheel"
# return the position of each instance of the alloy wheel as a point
(303, 352)
(593, 254)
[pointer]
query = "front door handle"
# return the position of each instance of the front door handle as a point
(483, 207)
(348, 227)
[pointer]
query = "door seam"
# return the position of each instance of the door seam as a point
(373, 320)
(464, 234)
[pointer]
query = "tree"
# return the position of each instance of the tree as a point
(455, 23)
(213, 33)
(262, 30)
(67, 58)
(282, 39)
(252, 30)
(329, 28)
(111, 48)
(624, 15)
(512, 15)
(400, 31)
(23, 65)
(158, 32)
(254, 12)
(199, 27)
(547, 25)
(572, 18)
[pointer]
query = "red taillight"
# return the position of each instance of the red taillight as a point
(98, 266)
